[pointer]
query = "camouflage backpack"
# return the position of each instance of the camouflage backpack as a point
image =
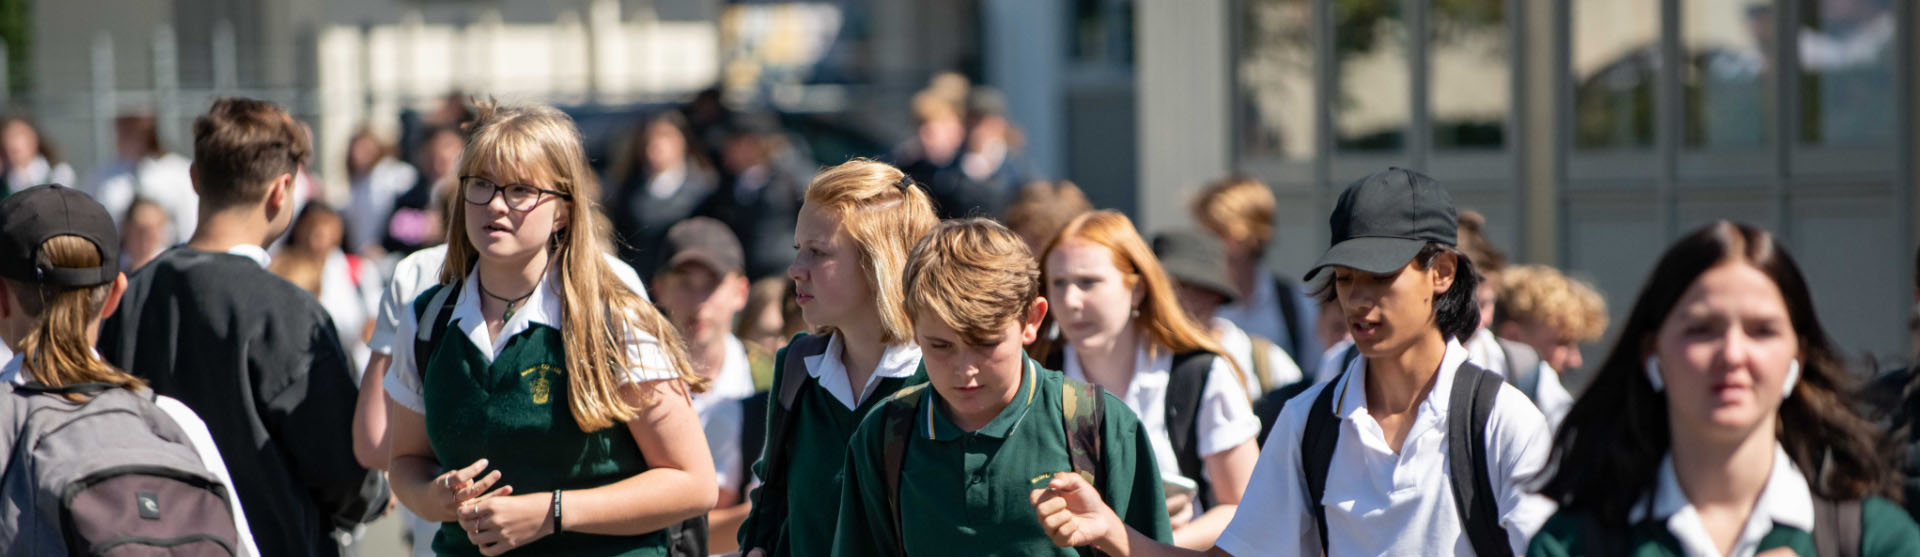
(1082, 409)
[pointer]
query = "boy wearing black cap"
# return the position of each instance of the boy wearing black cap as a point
(702, 286)
(1412, 450)
(254, 355)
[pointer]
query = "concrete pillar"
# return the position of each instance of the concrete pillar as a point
(1185, 107)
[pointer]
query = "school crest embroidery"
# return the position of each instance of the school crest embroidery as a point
(541, 387)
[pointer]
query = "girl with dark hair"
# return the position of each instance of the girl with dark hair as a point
(1411, 450)
(659, 179)
(1719, 424)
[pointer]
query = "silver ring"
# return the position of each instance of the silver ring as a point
(447, 481)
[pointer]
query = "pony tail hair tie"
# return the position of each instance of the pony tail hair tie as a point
(905, 183)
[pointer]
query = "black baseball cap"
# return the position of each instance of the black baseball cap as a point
(1196, 258)
(705, 241)
(1383, 220)
(34, 215)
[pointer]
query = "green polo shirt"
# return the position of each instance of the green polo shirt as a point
(967, 493)
(1885, 530)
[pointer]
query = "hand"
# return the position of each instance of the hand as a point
(498, 523)
(1073, 515)
(1179, 509)
(451, 489)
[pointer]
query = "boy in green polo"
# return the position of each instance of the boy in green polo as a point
(948, 470)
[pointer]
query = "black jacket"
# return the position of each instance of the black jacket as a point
(258, 359)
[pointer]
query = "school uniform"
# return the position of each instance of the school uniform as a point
(1261, 314)
(822, 420)
(506, 399)
(967, 493)
(1551, 397)
(1225, 419)
(1239, 345)
(1783, 517)
(720, 416)
(1382, 502)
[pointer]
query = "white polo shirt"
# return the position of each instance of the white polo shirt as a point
(1784, 501)
(1379, 502)
(1225, 420)
(1551, 397)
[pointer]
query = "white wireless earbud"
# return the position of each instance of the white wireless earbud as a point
(1653, 374)
(1793, 377)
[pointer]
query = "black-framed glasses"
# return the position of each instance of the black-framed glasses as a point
(520, 197)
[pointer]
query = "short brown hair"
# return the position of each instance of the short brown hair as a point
(1043, 208)
(1473, 242)
(1541, 294)
(973, 275)
(242, 145)
(1237, 209)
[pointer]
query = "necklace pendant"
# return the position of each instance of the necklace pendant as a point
(508, 316)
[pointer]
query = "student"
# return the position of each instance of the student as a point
(27, 158)
(1552, 314)
(771, 318)
(253, 355)
(375, 178)
(947, 470)
(702, 284)
(1041, 209)
(1124, 330)
(1240, 211)
(1719, 424)
(540, 404)
(1198, 265)
(412, 276)
(1378, 443)
(859, 220)
(50, 310)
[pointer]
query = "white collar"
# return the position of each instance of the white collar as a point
(543, 307)
(1353, 390)
(899, 360)
(1151, 368)
(1785, 500)
(256, 253)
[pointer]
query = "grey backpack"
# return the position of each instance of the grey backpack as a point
(113, 475)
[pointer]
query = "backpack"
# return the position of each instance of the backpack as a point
(773, 477)
(113, 475)
(1186, 386)
(1082, 412)
(1523, 367)
(753, 437)
(687, 538)
(1468, 407)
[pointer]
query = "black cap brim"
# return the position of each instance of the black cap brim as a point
(1372, 254)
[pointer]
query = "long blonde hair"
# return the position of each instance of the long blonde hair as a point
(1160, 313)
(885, 215)
(599, 311)
(57, 351)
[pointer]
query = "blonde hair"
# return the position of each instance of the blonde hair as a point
(974, 275)
(775, 293)
(1042, 208)
(1238, 209)
(598, 310)
(300, 268)
(884, 214)
(57, 351)
(1160, 313)
(1541, 294)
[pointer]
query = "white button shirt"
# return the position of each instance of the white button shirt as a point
(1785, 501)
(899, 360)
(1226, 419)
(1379, 502)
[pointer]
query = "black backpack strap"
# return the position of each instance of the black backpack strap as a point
(1185, 388)
(1468, 408)
(792, 376)
(1283, 288)
(898, 412)
(1836, 527)
(753, 436)
(1316, 451)
(440, 307)
(1082, 415)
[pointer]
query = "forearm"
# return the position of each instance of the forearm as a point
(646, 502)
(1131, 543)
(411, 477)
(1202, 531)
(370, 445)
(723, 527)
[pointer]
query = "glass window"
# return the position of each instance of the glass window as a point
(1615, 56)
(1728, 78)
(1274, 67)
(1471, 75)
(1372, 105)
(1847, 52)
